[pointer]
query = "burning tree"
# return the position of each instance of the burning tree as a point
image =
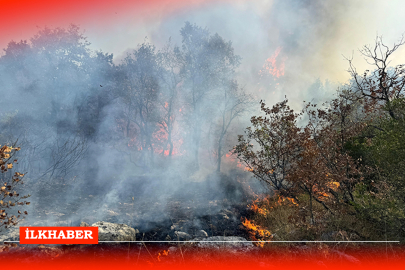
(139, 93)
(343, 165)
(171, 61)
(9, 196)
(209, 65)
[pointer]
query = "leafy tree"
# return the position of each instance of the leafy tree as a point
(56, 69)
(209, 64)
(140, 91)
(379, 201)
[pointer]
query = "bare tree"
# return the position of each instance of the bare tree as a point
(383, 84)
(234, 103)
(65, 154)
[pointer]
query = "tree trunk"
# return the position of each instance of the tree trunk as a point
(310, 208)
(170, 145)
(196, 141)
(128, 125)
(219, 157)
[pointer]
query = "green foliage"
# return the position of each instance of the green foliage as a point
(387, 148)
(382, 212)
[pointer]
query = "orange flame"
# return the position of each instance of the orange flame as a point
(282, 199)
(161, 136)
(232, 158)
(163, 253)
(274, 66)
(255, 208)
(322, 194)
(256, 232)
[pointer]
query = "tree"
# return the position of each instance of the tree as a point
(343, 164)
(270, 145)
(209, 64)
(64, 88)
(233, 104)
(383, 84)
(171, 62)
(311, 159)
(332, 129)
(140, 91)
(379, 199)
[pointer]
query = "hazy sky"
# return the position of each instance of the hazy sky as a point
(312, 34)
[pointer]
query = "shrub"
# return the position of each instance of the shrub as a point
(10, 183)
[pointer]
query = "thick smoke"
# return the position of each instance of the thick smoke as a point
(124, 141)
(142, 128)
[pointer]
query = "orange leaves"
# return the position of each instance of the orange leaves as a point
(6, 153)
(271, 144)
(333, 185)
(8, 196)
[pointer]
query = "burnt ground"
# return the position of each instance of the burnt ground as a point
(196, 206)
(214, 206)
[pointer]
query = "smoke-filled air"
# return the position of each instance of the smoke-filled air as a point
(207, 118)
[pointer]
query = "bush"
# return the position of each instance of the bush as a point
(10, 199)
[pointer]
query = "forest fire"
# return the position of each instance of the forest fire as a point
(232, 158)
(282, 199)
(274, 65)
(162, 142)
(255, 208)
(137, 143)
(257, 233)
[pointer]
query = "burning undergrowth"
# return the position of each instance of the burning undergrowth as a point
(214, 206)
